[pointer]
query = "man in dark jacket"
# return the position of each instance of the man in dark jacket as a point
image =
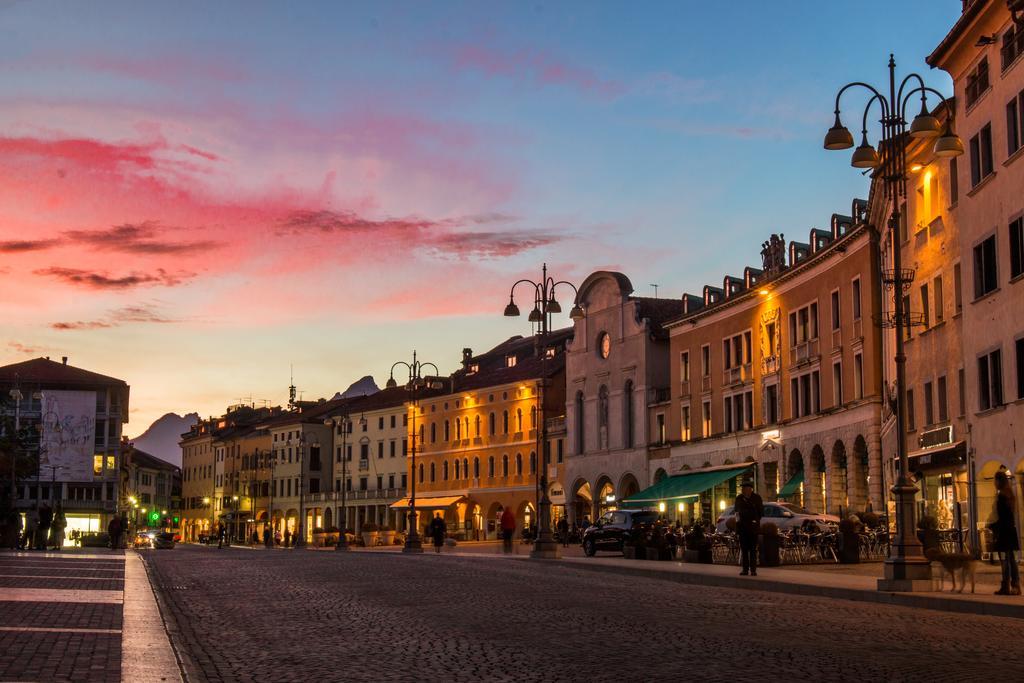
(749, 510)
(45, 520)
(438, 530)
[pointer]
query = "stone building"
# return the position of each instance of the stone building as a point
(616, 365)
(71, 456)
(477, 443)
(779, 368)
(984, 54)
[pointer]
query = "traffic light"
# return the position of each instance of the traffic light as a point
(176, 519)
(154, 516)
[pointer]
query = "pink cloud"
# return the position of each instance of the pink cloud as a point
(534, 67)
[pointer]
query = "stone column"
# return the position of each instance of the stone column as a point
(876, 494)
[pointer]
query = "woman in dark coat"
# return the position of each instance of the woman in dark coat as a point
(1004, 529)
(438, 529)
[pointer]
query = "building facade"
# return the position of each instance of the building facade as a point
(984, 54)
(616, 365)
(780, 368)
(477, 444)
(70, 453)
(154, 490)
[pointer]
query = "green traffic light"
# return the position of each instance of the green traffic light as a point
(154, 516)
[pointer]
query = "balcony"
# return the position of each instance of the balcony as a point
(684, 388)
(771, 365)
(736, 375)
(369, 494)
(658, 395)
(705, 383)
(804, 352)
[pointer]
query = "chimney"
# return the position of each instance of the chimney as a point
(64, 360)
(467, 356)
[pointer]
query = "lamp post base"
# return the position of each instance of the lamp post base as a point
(906, 575)
(412, 545)
(342, 545)
(545, 548)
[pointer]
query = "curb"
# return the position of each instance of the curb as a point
(763, 583)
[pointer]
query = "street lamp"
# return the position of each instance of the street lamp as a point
(269, 538)
(906, 568)
(333, 423)
(544, 305)
(413, 544)
(234, 515)
(208, 502)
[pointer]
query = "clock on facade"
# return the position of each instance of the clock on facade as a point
(604, 344)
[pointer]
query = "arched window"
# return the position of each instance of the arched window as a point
(433, 432)
(533, 462)
(465, 468)
(421, 473)
(432, 472)
(504, 421)
(476, 467)
(519, 464)
(627, 410)
(458, 429)
(458, 473)
(504, 465)
(490, 420)
(490, 467)
(447, 431)
(444, 471)
(580, 431)
(466, 425)
(602, 416)
(519, 419)
(533, 417)
(477, 420)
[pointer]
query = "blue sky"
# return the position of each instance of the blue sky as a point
(340, 182)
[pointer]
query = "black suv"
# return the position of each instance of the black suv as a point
(614, 528)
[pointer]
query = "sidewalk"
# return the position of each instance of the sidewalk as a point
(860, 587)
(65, 616)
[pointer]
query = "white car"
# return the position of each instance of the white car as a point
(784, 515)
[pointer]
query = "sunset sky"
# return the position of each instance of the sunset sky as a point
(196, 196)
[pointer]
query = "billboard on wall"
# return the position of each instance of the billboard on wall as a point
(69, 428)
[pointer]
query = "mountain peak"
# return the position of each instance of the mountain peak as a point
(161, 438)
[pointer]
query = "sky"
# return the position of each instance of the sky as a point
(204, 198)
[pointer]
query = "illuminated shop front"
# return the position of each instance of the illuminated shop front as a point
(699, 495)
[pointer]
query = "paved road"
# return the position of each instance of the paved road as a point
(61, 616)
(242, 615)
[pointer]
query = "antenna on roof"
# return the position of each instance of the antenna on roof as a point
(655, 290)
(291, 386)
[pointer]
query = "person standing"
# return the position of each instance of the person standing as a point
(45, 521)
(287, 537)
(508, 529)
(114, 531)
(437, 530)
(28, 539)
(1004, 529)
(57, 529)
(14, 525)
(563, 531)
(749, 510)
(221, 533)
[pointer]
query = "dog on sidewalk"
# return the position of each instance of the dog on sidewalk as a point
(952, 563)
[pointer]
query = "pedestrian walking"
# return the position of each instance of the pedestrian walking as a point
(14, 528)
(508, 529)
(221, 533)
(266, 535)
(749, 510)
(43, 532)
(114, 530)
(438, 529)
(287, 537)
(277, 537)
(1004, 530)
(563, 531)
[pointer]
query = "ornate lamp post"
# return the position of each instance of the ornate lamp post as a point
(334, 422)
(544, 305)
(300, 530)
(417, 381)
(906, 567)
(269, 538)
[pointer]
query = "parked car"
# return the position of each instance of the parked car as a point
(613, 528)
(784, 515)
(163, 540)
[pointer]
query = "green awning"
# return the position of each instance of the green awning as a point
(682, 487)
(792, 486)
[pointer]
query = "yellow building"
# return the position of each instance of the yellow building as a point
(477, 445)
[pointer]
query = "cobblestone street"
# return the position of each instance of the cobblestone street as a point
(278, 616)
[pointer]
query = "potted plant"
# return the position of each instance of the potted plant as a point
(388, 534)
(369, 534)
(770, 545)
(318, 537)
(697, 546)
(849, 540)
(331, 535)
